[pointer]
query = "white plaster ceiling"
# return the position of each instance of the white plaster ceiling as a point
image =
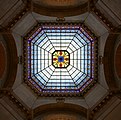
(24, 92)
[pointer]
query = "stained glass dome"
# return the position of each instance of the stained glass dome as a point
(61, 58)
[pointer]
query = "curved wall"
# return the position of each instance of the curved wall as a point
(2, 60)
(118, 61)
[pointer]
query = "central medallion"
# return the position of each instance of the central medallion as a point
(60, 59)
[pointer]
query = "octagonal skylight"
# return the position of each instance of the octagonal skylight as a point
(61, 58)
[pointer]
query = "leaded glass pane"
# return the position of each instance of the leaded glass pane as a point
(61, 58)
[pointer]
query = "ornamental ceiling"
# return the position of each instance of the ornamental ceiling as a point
(19, 20)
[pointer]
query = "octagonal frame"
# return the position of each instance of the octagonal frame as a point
(55, 92)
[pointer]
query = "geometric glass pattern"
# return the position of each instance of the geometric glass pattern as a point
(61, 58)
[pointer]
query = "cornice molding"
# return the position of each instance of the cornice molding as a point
(16, 101)
(17, 17)
(103, 103)
(105, 21)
